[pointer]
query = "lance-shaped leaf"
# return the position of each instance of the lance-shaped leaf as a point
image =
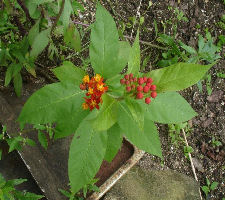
(178, 77)
(40, 42)
(104, 46)
(123, 57)
(52, 103)
(17, 83)
(72, 37)
(114, 142)
(134, 58)
(107, 115)
(67, 127)
(169, 107)
(146, 139)
(33, 32)
(68, 72)
(67, 11)
(87, 151)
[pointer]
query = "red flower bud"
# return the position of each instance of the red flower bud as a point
(133, 87)
(153, 87)
(82, 86)
(145, 89)
(131, 80)
(135, 79)
(122, 81)
(147, 100)
(139, 88)
(145, 78)
(127, 82)
(140, 81)
(149, 80)
(139, 95)
(126, 77)
(131, 75)
(128, 88)
(153, 94)
(148, 84)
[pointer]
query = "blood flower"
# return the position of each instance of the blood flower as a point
(95, 89)
(139, 87)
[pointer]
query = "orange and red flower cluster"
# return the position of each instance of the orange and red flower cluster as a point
(95, 89)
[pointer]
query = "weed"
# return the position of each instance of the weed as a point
(209, 187)
(220, 75)
(215, 143)
(15, 143)
(91, 187)
(174, 132)
(221, 42)
(187, 150)
(8, 190)
(221, 23)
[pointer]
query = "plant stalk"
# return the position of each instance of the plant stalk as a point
(148, 43)
(23, 6)
(58, 16)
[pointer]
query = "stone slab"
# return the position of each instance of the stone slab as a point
(141, 184)
(49, 168)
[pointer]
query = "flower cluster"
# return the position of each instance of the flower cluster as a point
(140, 87)
(95, 88)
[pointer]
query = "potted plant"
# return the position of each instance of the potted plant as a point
(104, 107)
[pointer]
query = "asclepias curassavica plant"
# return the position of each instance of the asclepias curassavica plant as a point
(103, 108)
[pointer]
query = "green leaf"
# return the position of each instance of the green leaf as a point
(28, 196)
(178, 76)
(214, 185)
(146, 139)
(205, 189)
(38, 2)
(68, 72)
(124, 53)
(15, 182)
(107, 115)
(72, 37)
(53, 102)
(17, 82)
(40, 42)
(39, 127)
(67, 11)
(169, 108)
(11, 72)
(104, 46)
(136, 112)
(66, 127)
(114, 142)
(134, 58)
(34, 31)
(87, 151)
(201, 43)
(14, 143)
(170, 42)
(42, 139)
(207, 182)
(188, 48)
(30, 142)
(0, 154)
(65, 193)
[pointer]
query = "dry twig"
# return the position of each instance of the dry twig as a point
(192, 165)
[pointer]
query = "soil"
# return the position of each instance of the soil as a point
(107, 169)
(209, 161)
